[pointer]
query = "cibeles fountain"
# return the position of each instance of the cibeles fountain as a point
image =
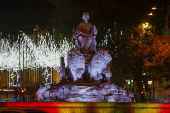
(86, 78)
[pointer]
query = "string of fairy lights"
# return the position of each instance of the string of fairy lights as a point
(25, 53)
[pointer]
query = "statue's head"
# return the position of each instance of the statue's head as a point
(85, 16)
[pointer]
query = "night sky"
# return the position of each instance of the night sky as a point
(23, 15)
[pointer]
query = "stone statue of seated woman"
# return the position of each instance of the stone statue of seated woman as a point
(85, 36)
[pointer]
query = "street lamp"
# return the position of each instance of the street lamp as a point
(130, 82)
(145, 25)
(143, 73)
(150, 83)
(154, 8)
(150, 14)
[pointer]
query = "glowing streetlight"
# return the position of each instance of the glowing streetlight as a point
(145, 25)
(150, 82)
(143, 74)
(154, 8)
(150, 14)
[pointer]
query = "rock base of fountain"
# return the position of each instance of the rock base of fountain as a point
(84, 92)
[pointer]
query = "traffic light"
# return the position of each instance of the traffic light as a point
(142, 96)
(129, 81)
(22, 91)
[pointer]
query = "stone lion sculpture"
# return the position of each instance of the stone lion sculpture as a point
(76, 63)
(98, 65)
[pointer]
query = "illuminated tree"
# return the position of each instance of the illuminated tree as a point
(25, 54)
(128, 57)
(159, 60)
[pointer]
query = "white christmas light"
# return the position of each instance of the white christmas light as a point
(25, 54)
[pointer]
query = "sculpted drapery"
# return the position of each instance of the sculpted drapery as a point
(85, 36)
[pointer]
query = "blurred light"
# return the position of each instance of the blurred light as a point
(57, 107)
(22, 91)
(150, 14)
(143, 86)
(145, 25)
(150, 82)
(129, 82)
(153, 7)
(144, 74)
